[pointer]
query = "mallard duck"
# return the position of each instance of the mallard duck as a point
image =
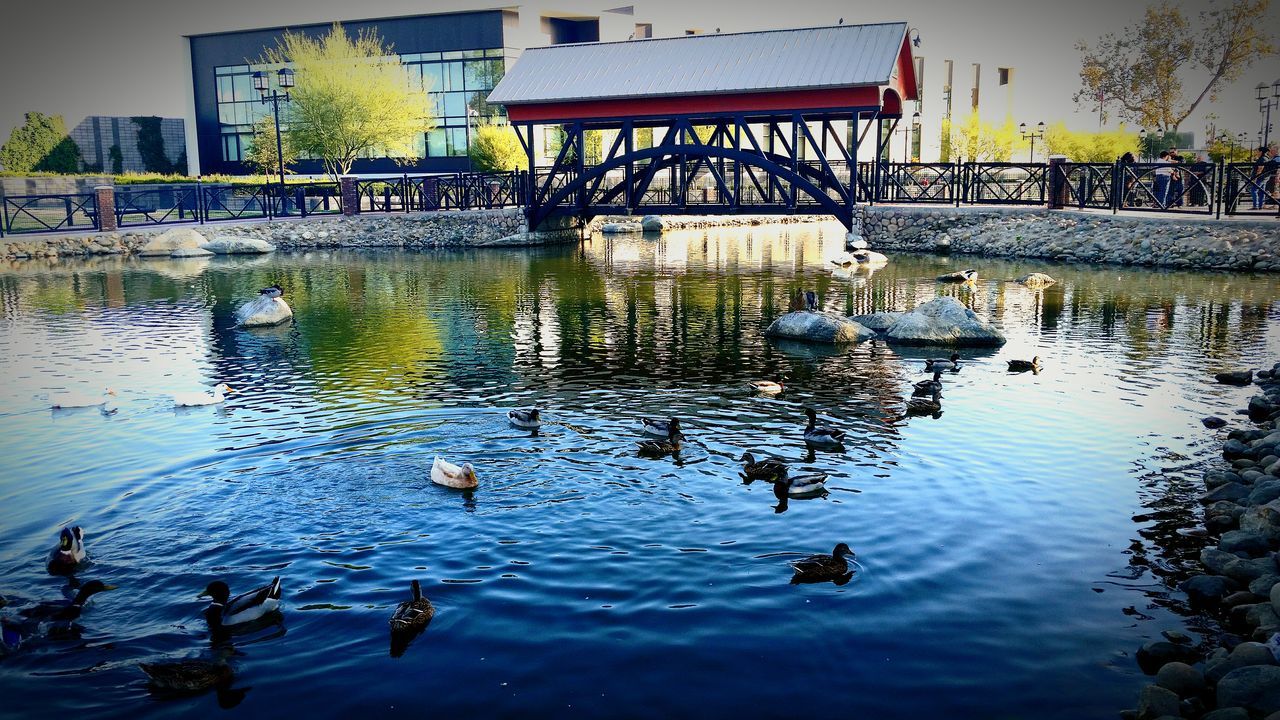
(1024, 365)
(528, 419)
(412, 615)
(670, 446)
(937, 364)
(462, 477)
(805, 484)
(815, 434)
(188, 676)
(62, 610)
(225, 611)
(823, 567)
(273, 291)
(67, 400)
(67, 556)
(768, 387)
(766, 469)
(925, 406)
(656, 427)
(198, 399)
(961, 276)
(810, 301)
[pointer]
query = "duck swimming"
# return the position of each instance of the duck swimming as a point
(413, 614)
(656, 427)
(63, 610)
(461, 477)
(528, 419)
(67, 556)
(68, 400)
(925, 406)
(805, 484)
(225, 611)
(937, 364)
(188, 676)
(1025, 365)
(821, 435)
(928, 387)
(198, 399)
(670, 446)
(768, 387)
(766, 469)
(961, 276)
(817, 568)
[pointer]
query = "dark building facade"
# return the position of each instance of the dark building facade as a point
(457, 57)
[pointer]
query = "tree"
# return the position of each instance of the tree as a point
(1226, 149)
(262, 154)
(1093, 147)
(1142, 69)
(151, 145)
(976, 140)
(352, 99)
(42, 145)
(495, 148)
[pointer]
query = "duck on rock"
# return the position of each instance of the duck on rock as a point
(225, 612)
(821, 435)
(820, 568)
(69, 554)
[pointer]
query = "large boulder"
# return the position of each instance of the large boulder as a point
(818, 328)
(1156, 702)
(232, 245)
(652, 223)
(878, 321)
(1244, 655)
(1235, 377)
(188, 252)
(621, 228)
(1036, 280)
(176, 239)
(1255, 688)
(943, 321)
(258, 313)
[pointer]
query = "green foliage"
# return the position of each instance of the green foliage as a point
(1090, 147)
(263, 154)
(1224, 149)
(40, 144)
(351, 99)
(495, 148)
(151, 145)
(117, 159)
(976, 140)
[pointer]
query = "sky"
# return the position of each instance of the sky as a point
(124, 57)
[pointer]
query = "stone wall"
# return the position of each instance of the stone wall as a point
(1072, 236)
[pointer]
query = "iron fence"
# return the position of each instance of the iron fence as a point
(1086, 185)
(157, 204)
(305, 199)
(1004, 183)
(1248, 189)
(48, 213)
(234, 202)
(1167, 187)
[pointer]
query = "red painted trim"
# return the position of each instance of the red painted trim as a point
(792, 100)
(906, 83)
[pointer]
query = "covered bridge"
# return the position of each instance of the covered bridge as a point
(757, 122)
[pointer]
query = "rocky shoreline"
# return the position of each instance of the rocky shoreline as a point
(1239, 585)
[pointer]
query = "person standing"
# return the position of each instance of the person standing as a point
(1177, 183)
(1258, 179)
(1129, 179)
(1164, 169)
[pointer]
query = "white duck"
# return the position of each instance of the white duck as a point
(197, 399)
(450, 475)
(65, 400)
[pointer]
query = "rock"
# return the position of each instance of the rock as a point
(1275, 597)
(1244, 655)
(943, 321)
(1176, 637)
(1227, 491)
(818, 328)
(1244, 597)
(1036, 281)
(854, 241)
(1261, 586)
(1235, 377)
(1156, 702)
(1255, 688)
(1243, 541)
(652, 223)
(1246, 570)
(869, 258)
(1263, 520)
(268, 314)
(1216, 478)
(621, 228)
(1156, 654)
(1206, 589)
(878, 321)
(232, 245)
(1231, 713)
(190, 253)
(959, 276)
(1213, 422)
(1234, 449)
(1180, 678)
(1216, 560)
(1260, 408)
(175, 239)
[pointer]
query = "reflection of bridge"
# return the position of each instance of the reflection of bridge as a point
(763, 122)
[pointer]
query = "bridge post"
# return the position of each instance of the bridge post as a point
(628, 127)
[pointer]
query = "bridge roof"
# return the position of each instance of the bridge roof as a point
(587, 79)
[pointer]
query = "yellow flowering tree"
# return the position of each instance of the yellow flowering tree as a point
(1091, 147)
(976, 140)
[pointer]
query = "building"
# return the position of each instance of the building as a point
(459, 57)
(131, 144)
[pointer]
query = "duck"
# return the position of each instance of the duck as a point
(413, 614)
(815, 434)
(805, 484)
(528, 419)
(938, 364)
(225, 611)
(71, 399)
(960, 276)
(65, 610)
(766, 469)
(670, 446)
(656, 427)
(925, 406)
(67, 556)
(188, 676)
(461, 477)
(928, 387)
(823, 567)
(198, 399)
(273, 291)
(1025, 365)
(810, 301)
(768, 387)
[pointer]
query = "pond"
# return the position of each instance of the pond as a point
(1012, 553)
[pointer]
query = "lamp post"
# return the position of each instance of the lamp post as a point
(1265, 104)
(915, 134)
(262, 83)
(1032, 135)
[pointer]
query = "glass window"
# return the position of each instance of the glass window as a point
(226, 113)
(453, 76)
(455, 105)
(224, 90)
(457, 141)
(431, 56)
(433, 77)
(243, 86)
(452, 55)
(472, 53)
(411, 57)
(436, 143)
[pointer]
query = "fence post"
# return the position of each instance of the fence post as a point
(1057, 182)
(1220, 175)
(105, 199)
(350, 198)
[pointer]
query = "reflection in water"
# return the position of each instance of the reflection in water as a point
(984, 535)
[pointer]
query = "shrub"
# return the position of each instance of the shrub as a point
(1092, 147)
(40, 144)
(495, 148)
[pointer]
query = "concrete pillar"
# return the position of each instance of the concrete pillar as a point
(106, 197)
(350, 197)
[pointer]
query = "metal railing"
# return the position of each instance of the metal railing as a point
(1164, 187)
(157, 204)
(1087, 185)
(1247, 189)
(48, 213)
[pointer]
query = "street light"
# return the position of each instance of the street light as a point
(915, 133)
(1032, 135)
(1265, 104)
(262, 83)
